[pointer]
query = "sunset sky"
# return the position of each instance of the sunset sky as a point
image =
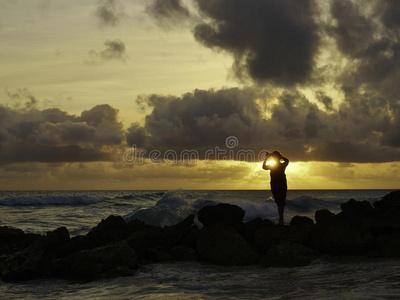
(113, 94)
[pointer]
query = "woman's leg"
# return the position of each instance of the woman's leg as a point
(280, 200)
(281, 209)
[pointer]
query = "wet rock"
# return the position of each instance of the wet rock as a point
(390, 202)
(103, 262)
(222, 244)
(11, 239)
(34, 261)
(58, 236)
(341, 238)
(268, 236)
(324, 216)
(221, 213)
(149, 237)
(158, 254)
(75, 244)
(388, 208)
(56, 240)
(353, 209)
(111, 230)
(29, 263)
(136, 225)
(389, 244)
(177, 232)
(250, 228)
(301, 221)
(184, 253)
(190, 237)
(288, 255)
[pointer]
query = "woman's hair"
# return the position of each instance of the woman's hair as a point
(276, 153)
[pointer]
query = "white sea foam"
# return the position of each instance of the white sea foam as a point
(169, 210)
(252, 211)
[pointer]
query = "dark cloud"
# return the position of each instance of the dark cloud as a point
(271, 41)
(115, 50)
(198, 119)
(324, 99)
(353, 29)
(166, 12)
(109, 12)
(52, 135)
(391, 14)
(202, 120)
(368, 36)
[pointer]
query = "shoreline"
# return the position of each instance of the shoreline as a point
(115, 248)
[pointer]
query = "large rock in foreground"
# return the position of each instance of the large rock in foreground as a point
(342, 237)
(221, 213)
(222, 244)
(390, 202)
(114, 248)
(104, 262)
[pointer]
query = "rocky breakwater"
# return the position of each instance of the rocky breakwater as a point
(115, 248)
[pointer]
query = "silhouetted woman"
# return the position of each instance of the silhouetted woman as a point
(277, 164)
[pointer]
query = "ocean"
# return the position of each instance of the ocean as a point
(79, 211)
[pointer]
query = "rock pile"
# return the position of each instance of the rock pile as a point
(115, 248)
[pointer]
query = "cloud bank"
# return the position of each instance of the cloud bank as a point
(298, 127)
(52, 135)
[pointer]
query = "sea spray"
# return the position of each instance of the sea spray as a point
(169, 210)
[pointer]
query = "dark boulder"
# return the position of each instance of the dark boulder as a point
(190, 237)
(221, 213)
(250, 228)
(152, 243)
(56, 240)
(324, 216)
(75, 244)
(355, 209)
(390, 202)
(26, 264)
(59, 236)
(135, 225)
(103, 262)
(11, 239)
(267, 236)
(184, 253)
(389, 244)
(288, 255)
(342, 238)
(149, 237)
(301, 221)
(222, 244)
(176, 233)
(34, 261)
(111, 230)
(300, 230)
(158, 254)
